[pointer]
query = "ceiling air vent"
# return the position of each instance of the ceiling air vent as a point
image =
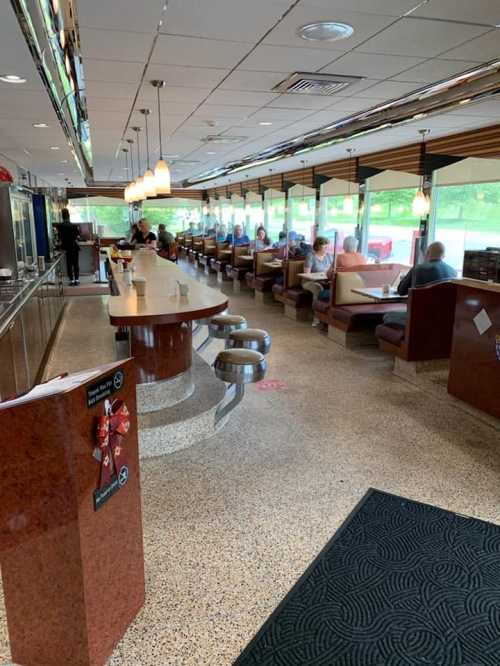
(303, 83)
(219, 138)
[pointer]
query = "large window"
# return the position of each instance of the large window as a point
(176, 214)
(255, 216)
(339, 214)
(274, 205)
(111, 214)
(467, 217)
(302, 213)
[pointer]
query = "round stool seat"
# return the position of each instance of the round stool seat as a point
(250, 338)
(240, 366)
(221, 326)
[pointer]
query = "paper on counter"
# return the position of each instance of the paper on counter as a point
(482, 322)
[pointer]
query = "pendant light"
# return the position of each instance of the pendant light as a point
(126, 190)
(131, 187)
(348, 206)
(149, 177)
(162, 171)
(421, 205)
(139, 183)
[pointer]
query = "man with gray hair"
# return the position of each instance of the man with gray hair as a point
(433, 269)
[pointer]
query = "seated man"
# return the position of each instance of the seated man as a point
(237, 237)
(434, 269)
(350, 256)
(165, 238)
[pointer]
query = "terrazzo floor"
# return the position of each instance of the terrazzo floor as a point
(232, 522)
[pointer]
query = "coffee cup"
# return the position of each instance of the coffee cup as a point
(140, 286)
(183, 288)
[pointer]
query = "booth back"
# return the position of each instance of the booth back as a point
(237, 252)
(221, 246)
(260, 259)
(431, 316)
(359, 277)
(293, 268)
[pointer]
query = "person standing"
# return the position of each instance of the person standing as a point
(68, 238)
(165, 238)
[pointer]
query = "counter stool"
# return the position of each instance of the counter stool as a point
(237, 367)
(221, 327)
(254, 339)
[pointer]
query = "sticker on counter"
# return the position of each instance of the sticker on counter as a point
(104, 388)
(270, 385)
(482, 322)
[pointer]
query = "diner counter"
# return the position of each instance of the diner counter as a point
(160, 323)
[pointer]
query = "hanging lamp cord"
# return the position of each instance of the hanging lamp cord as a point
(138, 154)
(159, 122)
(147, 139)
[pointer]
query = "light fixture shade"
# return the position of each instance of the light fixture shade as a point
(421, 205)
(217, 211)
(162, 178)
(205, 210)
(348, 206)
(139, 189)
(149, 181)
(303, 208)
(130, 192)
(126, 194)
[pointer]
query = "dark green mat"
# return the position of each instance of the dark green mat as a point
(400, 584)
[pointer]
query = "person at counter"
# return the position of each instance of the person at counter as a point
(350, 257)
(165, 238)
(68, 237)
(148, 236)
(433, 269)
(238, 237)
(136, 235)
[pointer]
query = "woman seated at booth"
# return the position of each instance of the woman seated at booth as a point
(319, 261)
(350, 257)
(262, 241)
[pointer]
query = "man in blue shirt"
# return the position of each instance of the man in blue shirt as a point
(433, 269)
(237, 237)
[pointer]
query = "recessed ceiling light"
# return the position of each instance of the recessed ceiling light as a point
(40, 125)
(12, 78)
(54, 148)
(211, 153)
(325, 31)
(60, 174)
(265, 123)
(64, 161)
(171, 157)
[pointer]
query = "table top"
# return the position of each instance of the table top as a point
(313, 277)
(246, 257)
(162, 303)
(225, 252)
(377, 294)
(274, 264)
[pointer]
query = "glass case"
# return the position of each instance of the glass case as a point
(24, 227)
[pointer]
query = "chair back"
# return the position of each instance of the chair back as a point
(431, 317)
(219, 247)
(197, 244)
(188, 241)
(209, 246)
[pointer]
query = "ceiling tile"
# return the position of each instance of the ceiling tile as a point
(112, 71)
(115, 45)
(241, 98)
(258, 81)
(386, 90)
(106, 15)
(371, 65)
(354, 104)
(475, 11)
(191, 51)
(434, 70)
(302, 101)
(280, 115)
(421, 37)
(191, 77)
(282, 59)
(386, 7)
(481, 49)
(217, 111)
(238, 20)
(365, 25)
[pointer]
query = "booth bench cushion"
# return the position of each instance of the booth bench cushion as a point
(264, 282)
(362, 315)
(392, 334)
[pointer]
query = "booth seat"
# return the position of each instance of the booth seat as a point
(219, 262)
(238, 268)
(207, 252)
(261, 279)
(296, 300)
(351, 317)
(429, 328)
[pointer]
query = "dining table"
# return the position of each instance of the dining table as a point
(379, 295)
(313, 277)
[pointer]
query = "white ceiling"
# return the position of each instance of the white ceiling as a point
(221, 58)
